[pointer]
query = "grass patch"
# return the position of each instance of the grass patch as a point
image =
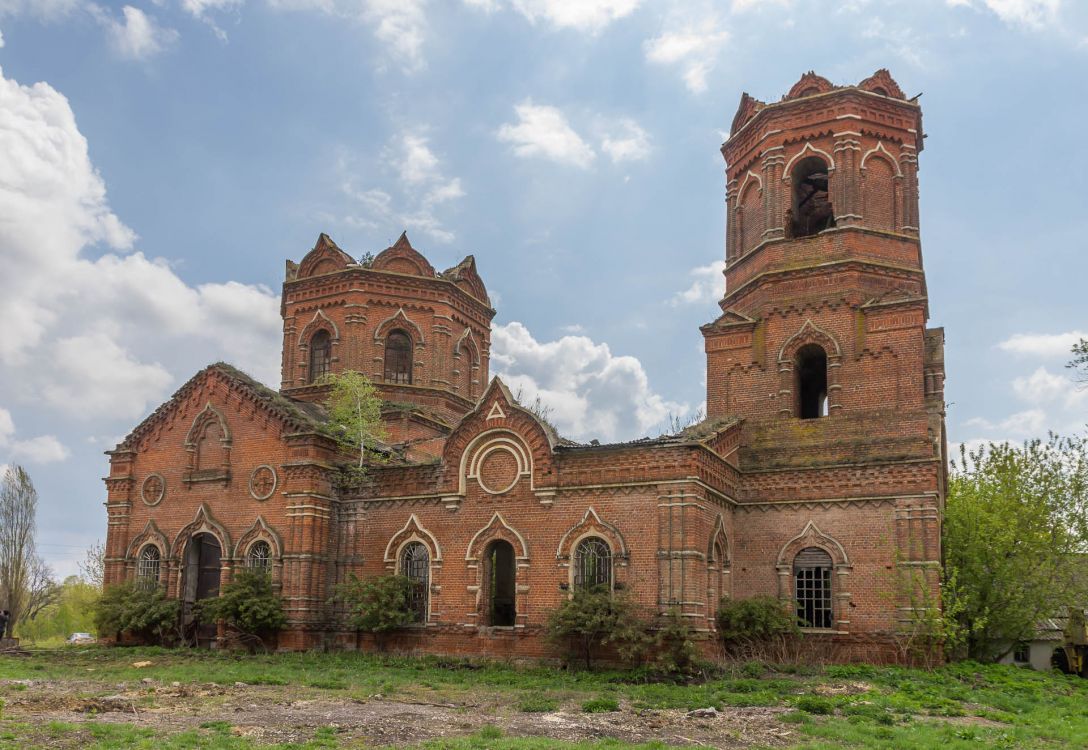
(600, 705)
(537, 704)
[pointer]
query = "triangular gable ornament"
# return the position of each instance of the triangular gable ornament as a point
(496, 412)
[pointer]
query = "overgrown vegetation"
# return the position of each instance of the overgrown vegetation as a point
(354, 414)
(595, 620)
(249, 606)
(26, 583)
(143, 613)
(71, 612)
(379, 605)
(1015, 533)
(757, 627)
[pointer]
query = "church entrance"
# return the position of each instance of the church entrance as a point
(203, 557)
(500, 576)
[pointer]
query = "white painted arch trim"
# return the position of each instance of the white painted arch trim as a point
(397, 320)
(811, 151)
(747, 178)
(584, 528)
(413, 531)
(319, 321)
(812, 535)
(486, 443)
(497, 521)
(882, 152)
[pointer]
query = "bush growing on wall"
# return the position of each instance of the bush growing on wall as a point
(144, 613)
(593, 620)
(377, 605)
(248, 605)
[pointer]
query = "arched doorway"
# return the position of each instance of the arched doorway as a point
(502, 607)
(203, 563)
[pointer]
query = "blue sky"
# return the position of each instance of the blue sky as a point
(159, 159)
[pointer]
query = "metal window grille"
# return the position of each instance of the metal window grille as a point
(320, 355)
(260, 557)
(592, 564)
(415, 563)
(812, 588)
(398, 358)
(147, 568)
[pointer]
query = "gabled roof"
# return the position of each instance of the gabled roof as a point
(401, 257)
(326, 257)
(297, 416)
(464, 275)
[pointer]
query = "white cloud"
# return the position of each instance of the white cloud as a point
(40, 450)
(592, 392)
(1043, 344)
(627, 142)
(138, 36)
(203, 10)
(693, 46)
(1, 39)
(708, 285)
(424, 185)
(400, 25)
(1032, 14)
(543, 132)
(741, 6)
(1023, 424)
(1045, 387)
(582, 15)
(103, 338)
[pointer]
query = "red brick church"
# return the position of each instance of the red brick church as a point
(818, 475)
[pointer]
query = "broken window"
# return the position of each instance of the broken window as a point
(415, 564)
(398, 357)
(811, 210)
(320, 355)
(147, 569)
(811, 369)
(812, 588)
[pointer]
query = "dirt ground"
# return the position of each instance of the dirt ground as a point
(274, 714)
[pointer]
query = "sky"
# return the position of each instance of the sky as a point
(161, 159)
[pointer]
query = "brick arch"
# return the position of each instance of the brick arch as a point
(467, 353)
(497, 528)
(808, 150)
(320, 321)
(413, 531)
(200, 455)
(489, 442)
(399, 320)
(150, 535)
(810, 333)
(202, 523)
(719, 581)
(749, 212)
(811, 536)
(592, 525)
(718, 534)
(881, 189)
(260, 531)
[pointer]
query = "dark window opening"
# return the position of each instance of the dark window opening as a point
(880, 90)
(500, 584)
(398, 357)
(1022, 654)
(593, 564)
(811, 367)
(812, 588)
(320, 355)
(811, 210)
(415, 564)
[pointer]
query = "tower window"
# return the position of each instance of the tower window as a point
(811, 210)
(320, 355)
(812, 588)
(811, 369)
(398, 357)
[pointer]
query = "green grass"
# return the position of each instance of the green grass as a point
(963, 705)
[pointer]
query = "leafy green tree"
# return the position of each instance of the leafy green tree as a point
(378, 605)
(1015, 534)
(674, 644)
(594, 619)
(756, 623)
(355, 412)
(26, 582)
(144, 613)
(248, 604)
(71, 612)
(1080, 359)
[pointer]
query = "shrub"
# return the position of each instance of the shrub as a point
(142, 612)
(537, 704)
(754, 625)
(377, 605)
(675, 644)
(248, 605)
(593, 619)
(813, 704)
(600, 705)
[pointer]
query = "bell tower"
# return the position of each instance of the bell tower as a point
(822, 346)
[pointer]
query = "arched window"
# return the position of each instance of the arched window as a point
(592, 564)
(810, 367)
(260, 557)
(810, 210)
(415, 564)
(398, 357)
(320, 355)
(812, 588)
(147, 567)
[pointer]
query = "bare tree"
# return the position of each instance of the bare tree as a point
(18, 556)
(41, 591)
(93, 567)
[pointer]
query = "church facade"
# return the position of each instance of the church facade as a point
(818, 475)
